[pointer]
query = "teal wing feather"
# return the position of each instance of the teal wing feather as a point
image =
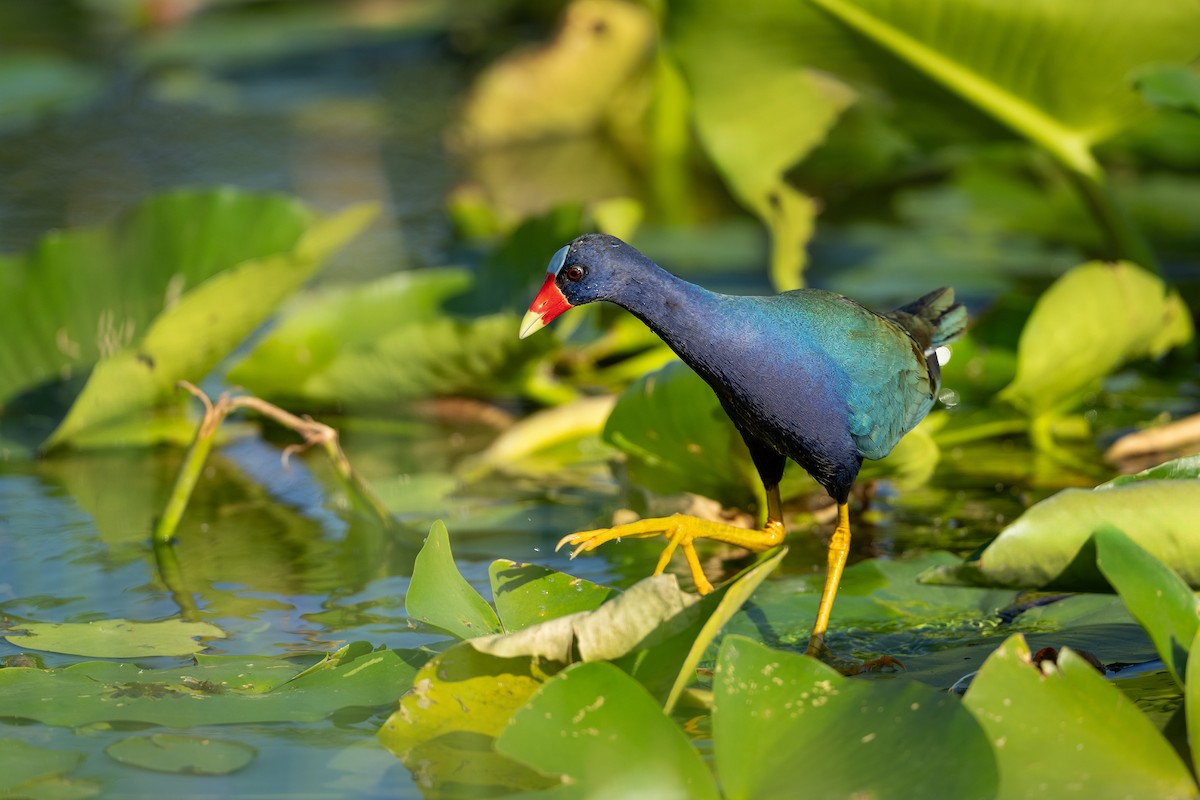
(891, 390)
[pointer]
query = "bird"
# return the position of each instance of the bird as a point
(807, 374)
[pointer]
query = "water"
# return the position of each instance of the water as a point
(269, 554)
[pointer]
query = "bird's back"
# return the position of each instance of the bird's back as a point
(877, 373)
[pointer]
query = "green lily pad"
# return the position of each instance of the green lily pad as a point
(676, 438)
(389, 340)
(1093, 319)
(461, 700)
(218, 693)
(1156, 596)
(1063, 729)
(1191, 701)
(117, 638)
(1048, 546)
(440, 596)
(528, 594)
(1187, 467)
(188, 755)
(1170, 86)
(651, 610)
(725, 602)
(757, 121)
(785, 724)
(22, 763)
(607, 737)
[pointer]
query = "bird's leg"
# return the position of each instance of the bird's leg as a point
(681, 531)
(839, 549)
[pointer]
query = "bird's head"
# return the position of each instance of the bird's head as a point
(593, 267)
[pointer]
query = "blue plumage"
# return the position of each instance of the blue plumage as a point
(808, 375)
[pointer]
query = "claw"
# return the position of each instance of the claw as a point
(680, 531)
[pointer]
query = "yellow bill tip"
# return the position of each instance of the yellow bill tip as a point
(531, 323)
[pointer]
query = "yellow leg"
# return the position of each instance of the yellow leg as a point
(839, 548)
(681, 531)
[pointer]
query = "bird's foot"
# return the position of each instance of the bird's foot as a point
(680, 531)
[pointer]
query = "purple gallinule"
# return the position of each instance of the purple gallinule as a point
(808, 375)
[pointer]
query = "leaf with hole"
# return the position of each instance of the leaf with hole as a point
(1062, 729)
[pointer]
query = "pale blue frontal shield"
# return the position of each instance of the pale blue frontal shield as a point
(556, 262)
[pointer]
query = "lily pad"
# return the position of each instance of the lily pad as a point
(676, 438)
(757, 120)
(528, 594)
(459, 702)
(440, 596)
(117, 638)
(218, 693)
(607, 737)
(1062, 729)
(1156, 596)
(22, 763)
(785, 724)
(389, 340)
(1093, 319)
(651, 610)
(1048, 546)
(189, 755)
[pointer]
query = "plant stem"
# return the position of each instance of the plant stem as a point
(193, 465)
(313, 432)
(1124, 239)
(986, 430)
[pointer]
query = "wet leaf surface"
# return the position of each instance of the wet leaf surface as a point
(1063, 728)
(220, 693)
(118, 638)
(785, 723)
(440, 596)
(601, 730)
(191, 755)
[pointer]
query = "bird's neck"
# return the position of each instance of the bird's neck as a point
(684, 315)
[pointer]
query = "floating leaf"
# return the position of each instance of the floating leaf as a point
(534, 444)
(117, 638)
(1179, 468)
(1191, 700)
(73, 300)
(1170, 86)
(607, 736)
(1062, 729)
(1156, 596)
(677, 438)
(207, 266)
(384, 342)
(651, 610)
(1093, 319)
(726, 601)
(566, 87)
(189, 755)
(459, 702)
(758, 112)
(22, 763)
(782, 721)
(212, 693)
(440, 596)
(528, 594)
(1047, 547)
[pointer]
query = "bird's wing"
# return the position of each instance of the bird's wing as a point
(891, 390)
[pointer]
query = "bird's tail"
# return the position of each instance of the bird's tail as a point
(932, 320)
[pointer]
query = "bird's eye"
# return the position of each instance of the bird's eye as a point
(574, 273)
